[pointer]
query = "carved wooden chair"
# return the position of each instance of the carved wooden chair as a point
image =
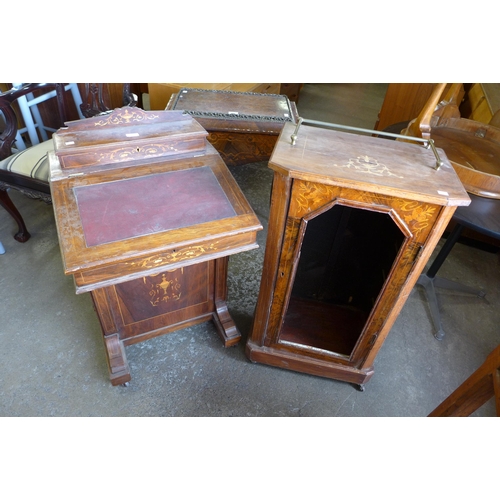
(97, 99)
(473, 149)
(28, 171)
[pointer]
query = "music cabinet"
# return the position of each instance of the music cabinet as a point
(147, 216)
(353, 221)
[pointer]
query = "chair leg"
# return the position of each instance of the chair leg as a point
(22, 235)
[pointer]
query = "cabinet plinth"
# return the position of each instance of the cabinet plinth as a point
(353, 221)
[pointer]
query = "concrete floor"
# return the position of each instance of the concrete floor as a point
(52, 360)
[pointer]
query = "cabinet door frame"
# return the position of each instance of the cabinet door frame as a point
(414, 219)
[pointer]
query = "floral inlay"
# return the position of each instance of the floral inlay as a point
(368, 165)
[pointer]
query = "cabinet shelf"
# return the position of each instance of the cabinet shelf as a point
(328, 327)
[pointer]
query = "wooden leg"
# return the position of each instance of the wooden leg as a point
(225, 325)
(119, 371)
(496, 385)
(22, 235)
(479, 388)
(209, 302)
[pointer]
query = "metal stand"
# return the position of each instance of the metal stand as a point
(429, 280)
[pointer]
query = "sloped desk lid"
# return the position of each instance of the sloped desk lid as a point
(121, 224)
(367, 163)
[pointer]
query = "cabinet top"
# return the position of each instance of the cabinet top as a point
(367, 163)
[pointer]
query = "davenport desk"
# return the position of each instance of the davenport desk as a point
(147, 216)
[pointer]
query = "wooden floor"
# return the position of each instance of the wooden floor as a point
(352, 104)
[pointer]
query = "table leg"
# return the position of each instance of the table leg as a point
(226, 328)
(119, 371)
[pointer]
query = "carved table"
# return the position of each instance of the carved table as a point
(353, 221)
(147, 216)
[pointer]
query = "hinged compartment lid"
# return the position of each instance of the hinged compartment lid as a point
(126, 135)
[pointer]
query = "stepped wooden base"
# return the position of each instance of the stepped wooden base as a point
(307, 364)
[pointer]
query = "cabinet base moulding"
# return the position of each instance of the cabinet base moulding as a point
(304, 364)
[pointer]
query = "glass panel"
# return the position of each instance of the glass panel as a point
(345, 257)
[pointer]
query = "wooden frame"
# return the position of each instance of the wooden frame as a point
(474, 392)
(322, 171)
(149, 275)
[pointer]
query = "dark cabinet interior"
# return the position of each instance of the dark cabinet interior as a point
(345, 255)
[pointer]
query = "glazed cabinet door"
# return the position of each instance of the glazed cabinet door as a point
(344, 258)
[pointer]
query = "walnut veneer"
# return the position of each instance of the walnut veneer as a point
(147, 216)
(353, 222)
(242, 126)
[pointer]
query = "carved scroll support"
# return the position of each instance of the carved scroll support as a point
(226, 328)
(119, 371)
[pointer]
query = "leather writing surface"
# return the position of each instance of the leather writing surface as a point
(130, 208)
